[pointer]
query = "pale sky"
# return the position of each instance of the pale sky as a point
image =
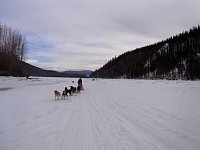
(85, 34)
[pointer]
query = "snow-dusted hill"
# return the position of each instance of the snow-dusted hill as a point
(107, 115)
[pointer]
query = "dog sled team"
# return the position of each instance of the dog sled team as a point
(71, 91)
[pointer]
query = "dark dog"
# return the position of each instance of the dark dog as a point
(64, 94)
(78, 89)
(73, 89)
(68, 91)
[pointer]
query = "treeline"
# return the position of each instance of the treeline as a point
(175, 58)
(180, 57)
(13, 48)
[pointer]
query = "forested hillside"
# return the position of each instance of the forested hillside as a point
(177, 57)
(13, 47)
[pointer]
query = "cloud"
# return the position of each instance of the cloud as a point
(31, 61)
(85, 34)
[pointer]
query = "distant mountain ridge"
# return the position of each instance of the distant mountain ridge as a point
(83, 72)
(177, 57)
(35, 71)
(31, 70)
(20, 68)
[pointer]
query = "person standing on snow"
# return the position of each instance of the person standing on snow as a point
(80, 83)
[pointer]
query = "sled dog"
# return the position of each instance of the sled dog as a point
(64, 94)
(78, 89)
(73, 89)
(57, 94)
(68, 91)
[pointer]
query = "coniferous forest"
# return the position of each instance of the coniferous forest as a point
(178, 57)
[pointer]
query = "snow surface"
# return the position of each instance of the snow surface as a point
(107, 115)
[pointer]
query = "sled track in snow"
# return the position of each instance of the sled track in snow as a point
(107, 115)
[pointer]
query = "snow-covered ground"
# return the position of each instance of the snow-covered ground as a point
(107, 115)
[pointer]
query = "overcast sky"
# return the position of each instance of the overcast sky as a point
(85, 34)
